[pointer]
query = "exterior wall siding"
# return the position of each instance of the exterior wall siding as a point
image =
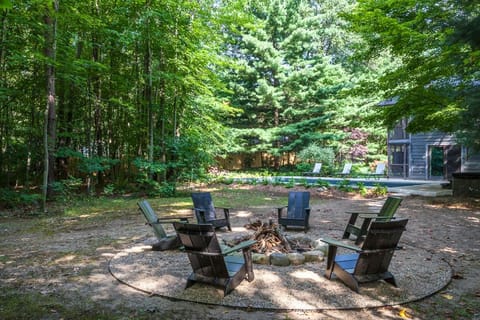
(471, 162)
(419, 151)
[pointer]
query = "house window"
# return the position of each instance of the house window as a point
(472, 155)
(399, 132)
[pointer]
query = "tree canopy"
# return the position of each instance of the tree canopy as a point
(293, 77)
(143, 94)
(436, 46)
(133, 80)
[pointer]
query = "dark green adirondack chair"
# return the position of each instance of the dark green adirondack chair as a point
(297, 212)
(371, 261)
(206, 212)
(165, 242)
(385, 214)
(211, 264)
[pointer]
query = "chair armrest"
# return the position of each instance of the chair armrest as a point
(240, 246)
(336, 243)
(368, 216)
(199, 214)
(307, 212)
(361, 213)
(172, 219)
(279, 211)
(226, 212)
(383, 218)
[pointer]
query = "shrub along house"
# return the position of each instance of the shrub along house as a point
(430, 155)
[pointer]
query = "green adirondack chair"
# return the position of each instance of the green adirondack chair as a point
(165, 242)
(359, 231)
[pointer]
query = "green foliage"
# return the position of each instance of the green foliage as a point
(290, 85)
(109, 189)
(290, 183)
(27, 305)
(126, 85)
(153, 188)
(344, 185)
(5, 4)
(361, 189)
(303, 182)
(317, 154)
(145, 168)
(276, 181)
(303, 167)
(227, 181)
(469, 130)
(434, 77)
(66, 189)
(13, 199)
(322, 183)
(150, 186)
(379, 189)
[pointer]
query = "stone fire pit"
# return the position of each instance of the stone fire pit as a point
(277, 248)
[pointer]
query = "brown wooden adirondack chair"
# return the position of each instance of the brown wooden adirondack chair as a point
(206, 212)
(165, 242)
(369, 263)
(386, 213)
(297, 212)
(210, 264)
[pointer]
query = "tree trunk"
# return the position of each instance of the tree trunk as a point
(97, 94)
(50, 112)
(4, 134)
(162, 113)
(148, 92)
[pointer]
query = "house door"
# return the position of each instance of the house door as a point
(444, 160)
(398, 160)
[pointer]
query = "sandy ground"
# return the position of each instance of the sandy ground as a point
(71, 262)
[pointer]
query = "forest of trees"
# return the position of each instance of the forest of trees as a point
(144, 94)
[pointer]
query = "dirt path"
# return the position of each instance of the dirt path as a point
(64, 273)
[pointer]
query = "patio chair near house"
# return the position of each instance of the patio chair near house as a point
(379, 171)
(211, 264)
(316, 170)
(165, 242)
(205, 211)
(347, 168)
(297, 212)
(370, 262)
(359, 231)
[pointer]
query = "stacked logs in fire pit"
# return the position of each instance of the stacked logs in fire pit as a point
(269, 238)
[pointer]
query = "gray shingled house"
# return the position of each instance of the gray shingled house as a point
(430, 155)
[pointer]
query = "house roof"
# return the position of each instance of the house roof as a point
(388, 102)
